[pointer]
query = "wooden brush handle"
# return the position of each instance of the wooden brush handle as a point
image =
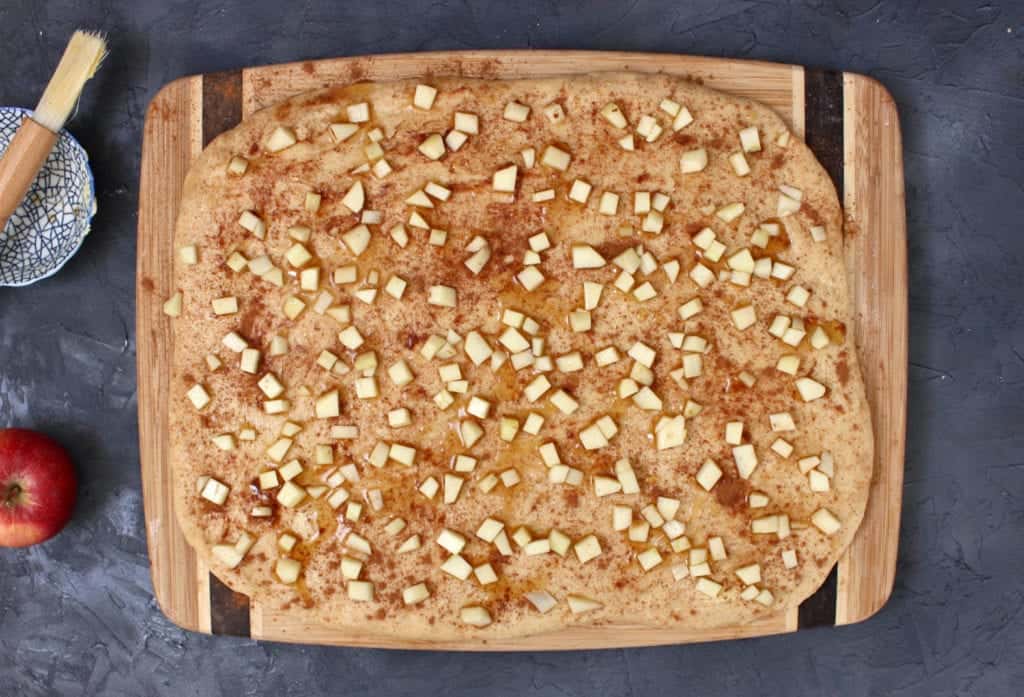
(21, 162)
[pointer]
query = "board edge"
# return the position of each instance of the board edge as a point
(710, 62)
(893, 510)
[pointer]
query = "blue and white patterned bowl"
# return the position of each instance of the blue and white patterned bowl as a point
(50, 224)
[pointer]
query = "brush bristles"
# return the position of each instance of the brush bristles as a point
(83, 55)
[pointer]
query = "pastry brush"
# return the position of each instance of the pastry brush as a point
(37, 134)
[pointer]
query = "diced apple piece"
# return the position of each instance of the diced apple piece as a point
(530, 278)
(290, 495)
(787, 206)
(739, 164)
(281, 138)
(649, 558)
(533, 423)
(478, 407)
(188, 254)
(622, 518)
(466, 122)
(237, 262)
(716, 548)
(423, 97)
(366, 388)
(360, 591)
(214, 491)
(287, 570)
(489, 530)
(682, 119)
(290, 470)
(536, 548)
(485, 574)
(824, 520)
(673, 529)
(328, 405)
(648, 128)
(613, 115)
(586, 257)
(798, 295)
(580, 191)
(279, 449)
(433, 147)
(789, 558)
(342, 131)
(708, 475)
(730, 212)
(693, 161)
(818, 481)
(580, 321)
(516, 112)
(626, 477)
(442, 296)
(652, 516)
(357, 239)
(702, 275)
(782, 421)
(475, 616)
(653, 223)
(451, 541)
(470, 432)
(746, 459)
(457, 567)
(228, 555)
(504, 179)
(782, 447)
(251, 222)
(810, 389)
(455, 139)
(788, 364)
(690, 308)
(708, 587)
(782, 271)
(237, 166)
(172, 307)
(592, 438)
(608, 204)
(671, 434)
(744, 317)
(358, 113)
(750, 141)
(606, 486)
(400, 373)
(757, 500)
(639, 531)
(555, 158)
(541, 600)
(509, 477)
(564, 402)
(587, 548)
(647, 400)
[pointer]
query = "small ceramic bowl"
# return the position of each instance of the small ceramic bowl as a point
(51, 223)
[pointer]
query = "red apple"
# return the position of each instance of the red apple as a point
(38, 487)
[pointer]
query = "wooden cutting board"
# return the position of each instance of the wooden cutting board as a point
(850, 122)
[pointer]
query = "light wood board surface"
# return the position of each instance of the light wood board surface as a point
(851, 123)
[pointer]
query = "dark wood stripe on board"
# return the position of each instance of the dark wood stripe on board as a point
(823, 121)
(823, 129)
(222, 103)
(222, 110)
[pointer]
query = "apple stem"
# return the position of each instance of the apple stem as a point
(12, 494)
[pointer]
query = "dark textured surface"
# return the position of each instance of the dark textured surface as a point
(77, 614)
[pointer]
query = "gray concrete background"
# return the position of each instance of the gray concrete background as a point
(77, 615)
